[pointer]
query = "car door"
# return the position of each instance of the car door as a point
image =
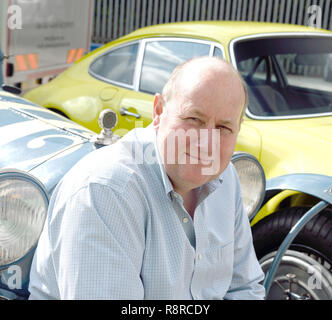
(116, 71)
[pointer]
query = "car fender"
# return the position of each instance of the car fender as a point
(316, 185)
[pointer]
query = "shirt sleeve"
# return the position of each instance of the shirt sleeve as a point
(97, 239)
(247, 273)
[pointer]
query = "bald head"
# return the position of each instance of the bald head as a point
(208, 71)
(199, 112)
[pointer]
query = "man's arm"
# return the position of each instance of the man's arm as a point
(98, 240)
(247, 273)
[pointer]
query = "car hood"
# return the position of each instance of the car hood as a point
(31, 135)
(296, 146)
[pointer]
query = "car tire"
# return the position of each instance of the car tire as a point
(315, 237)
(298, 277)
(314, 240)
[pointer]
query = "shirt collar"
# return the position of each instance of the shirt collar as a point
(166, 182)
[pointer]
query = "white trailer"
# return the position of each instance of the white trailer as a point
(41, 38)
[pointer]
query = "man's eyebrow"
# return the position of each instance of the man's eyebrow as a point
(196, 112)
(201, 115)
(224, 123)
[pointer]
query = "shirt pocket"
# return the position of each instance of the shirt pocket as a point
(222, 254)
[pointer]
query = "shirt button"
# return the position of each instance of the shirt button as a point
(185, 220)
(200, 257)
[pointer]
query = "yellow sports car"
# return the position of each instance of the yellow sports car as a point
(287, 126)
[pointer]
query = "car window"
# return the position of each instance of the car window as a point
(160, 59)
(287, 76)
(258, 70)
(217, 52)
(117, 65)
(305, 71)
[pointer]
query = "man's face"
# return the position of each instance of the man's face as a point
(197, 129)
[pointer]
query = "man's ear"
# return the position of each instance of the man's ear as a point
(158, 105)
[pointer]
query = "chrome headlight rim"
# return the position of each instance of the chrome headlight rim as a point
(239, 155)
(10, 173)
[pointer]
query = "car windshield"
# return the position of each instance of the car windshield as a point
(287, 76)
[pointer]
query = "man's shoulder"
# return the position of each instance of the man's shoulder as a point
(230, 186)
(230, 175)
(116, 166)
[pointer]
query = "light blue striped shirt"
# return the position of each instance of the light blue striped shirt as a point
(117, 230)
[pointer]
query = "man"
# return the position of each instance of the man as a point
(122, 226)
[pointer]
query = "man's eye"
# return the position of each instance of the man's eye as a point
(225, 129)
(193, 119)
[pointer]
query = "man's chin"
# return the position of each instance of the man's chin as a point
(205, 167)
(198, 175)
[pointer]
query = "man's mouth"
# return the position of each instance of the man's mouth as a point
(199, 160)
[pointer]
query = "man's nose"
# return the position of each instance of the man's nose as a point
(207, 141)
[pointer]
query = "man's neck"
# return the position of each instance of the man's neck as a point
(190, 201)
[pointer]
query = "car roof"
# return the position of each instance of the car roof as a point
(220, 30)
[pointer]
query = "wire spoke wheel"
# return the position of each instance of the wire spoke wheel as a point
(299, 277)
(305, 271)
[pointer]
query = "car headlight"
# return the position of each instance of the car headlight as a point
(23, 208)
(252, 180)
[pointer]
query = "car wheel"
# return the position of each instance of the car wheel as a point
(299, 277)
(313, 246)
